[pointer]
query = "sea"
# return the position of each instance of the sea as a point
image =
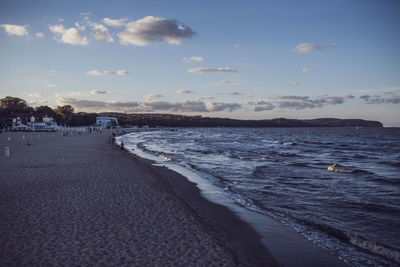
(338, 187)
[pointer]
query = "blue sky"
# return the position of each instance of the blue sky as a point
(237, 59)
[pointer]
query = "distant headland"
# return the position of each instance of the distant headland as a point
(170, 120)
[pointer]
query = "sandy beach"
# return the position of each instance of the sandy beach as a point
(78, 200)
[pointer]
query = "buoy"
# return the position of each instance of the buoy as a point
(122, 146)
(27, 143)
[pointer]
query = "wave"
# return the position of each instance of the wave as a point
(259, 170)
(376, 248)
(390, 163)
(327, 237)
(299, 164)
(389, 181)
(287, 154)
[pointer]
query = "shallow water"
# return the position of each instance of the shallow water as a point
(351, 209)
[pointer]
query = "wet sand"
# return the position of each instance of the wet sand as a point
(78, 200)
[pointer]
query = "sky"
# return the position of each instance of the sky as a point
(235, 59)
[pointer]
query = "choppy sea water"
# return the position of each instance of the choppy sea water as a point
(351, 209)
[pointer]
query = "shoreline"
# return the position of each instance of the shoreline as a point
(286, 245)
(77, 199)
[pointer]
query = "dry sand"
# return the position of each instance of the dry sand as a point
(77, 200)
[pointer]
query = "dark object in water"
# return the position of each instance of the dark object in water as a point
(122, 146)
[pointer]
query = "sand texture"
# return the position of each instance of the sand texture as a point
(77, 200)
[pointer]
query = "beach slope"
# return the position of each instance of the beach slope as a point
(78, 200)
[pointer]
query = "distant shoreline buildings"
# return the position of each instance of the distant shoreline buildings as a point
(25, 122)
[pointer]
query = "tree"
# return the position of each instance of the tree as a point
(66, 112)
(46, 110)
(14, 104)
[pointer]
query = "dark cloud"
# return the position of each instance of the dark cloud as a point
(223, 106)
(297, 102)
(98, 105)
(267, 106)
(376, 99)
(181, 106)
(150, 106)
(234, 93)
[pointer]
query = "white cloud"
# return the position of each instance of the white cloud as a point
(115, 22)
(192, 59)
(97, 73)
(50, 85)
(100, 92)
(39, 34)
(18, 30)
(71, 36)
(154, 29)
(294, 83)
(101, 33)
(36, 95)
(106, 72)
(208, 70)
(304, 48)
(307, 69)
(121, 72)
(85, 15)
(236, 46)
(307, 47)
(182, 92)
(151, 97)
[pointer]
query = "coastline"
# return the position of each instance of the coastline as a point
(77, 200)
(286, 245)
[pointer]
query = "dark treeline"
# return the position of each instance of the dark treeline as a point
(65, 115)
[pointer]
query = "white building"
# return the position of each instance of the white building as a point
(47, 124)
(107, 122)
(17, 125)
